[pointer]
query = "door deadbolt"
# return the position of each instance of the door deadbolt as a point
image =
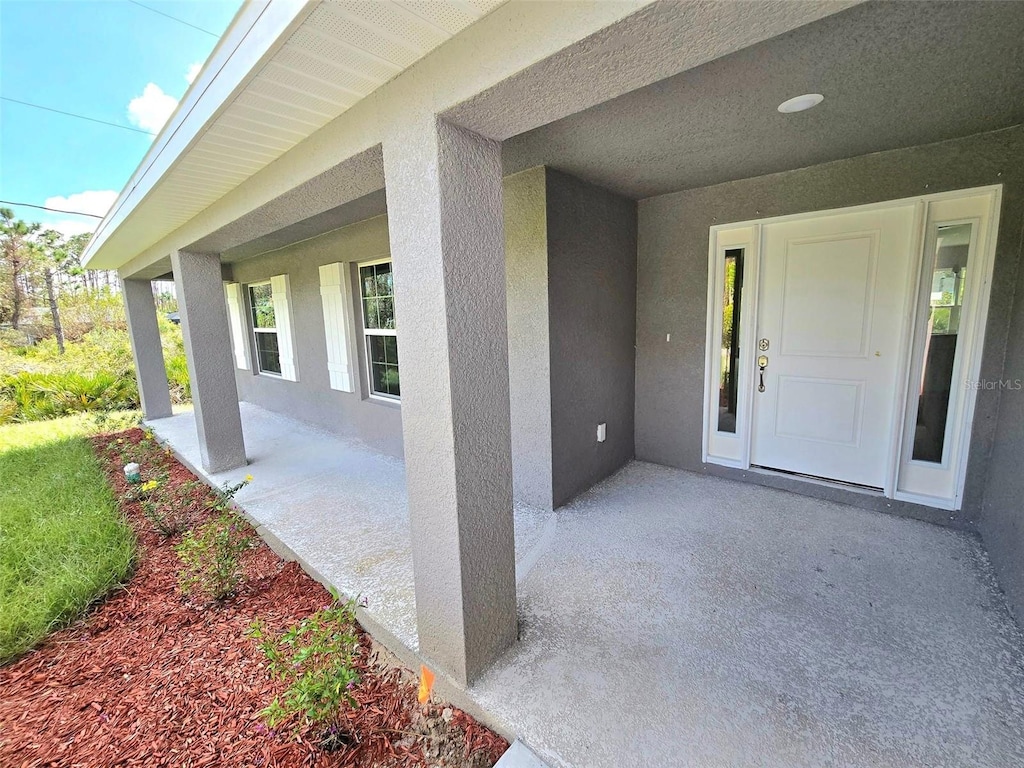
(763, 345)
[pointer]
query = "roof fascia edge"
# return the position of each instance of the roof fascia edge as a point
(256, 33)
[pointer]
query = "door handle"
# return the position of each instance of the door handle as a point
(762, 363)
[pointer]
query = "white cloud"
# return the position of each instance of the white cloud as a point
(95, 201)
(151, 110)
(68, 227)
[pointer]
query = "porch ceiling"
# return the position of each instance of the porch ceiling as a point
(329, 60)
(893, 75)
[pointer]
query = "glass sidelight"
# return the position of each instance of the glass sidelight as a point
(949, 271)
(728, 391)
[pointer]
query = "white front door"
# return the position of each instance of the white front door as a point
(831, 311)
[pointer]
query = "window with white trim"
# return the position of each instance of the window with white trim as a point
(377, 289)
(264, 326)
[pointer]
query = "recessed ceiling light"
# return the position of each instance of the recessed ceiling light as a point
(800, 103)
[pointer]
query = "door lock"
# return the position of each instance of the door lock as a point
(762, 363)
(763, 345)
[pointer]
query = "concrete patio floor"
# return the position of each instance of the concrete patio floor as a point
(673, 619)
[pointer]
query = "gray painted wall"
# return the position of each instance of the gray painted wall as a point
(311, 398)
(529, 348)
(592, 243)
(571, 287)
(570, 254)
(672, 284)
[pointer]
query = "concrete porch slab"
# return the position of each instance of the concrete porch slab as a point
(672, 619)
(339, 506)
(685, 620)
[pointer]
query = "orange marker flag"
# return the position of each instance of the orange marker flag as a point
(426, 683)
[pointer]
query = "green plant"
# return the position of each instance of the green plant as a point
(95, 374)
(8, 410)
(108, 421)
(211, 554)
(36, 395)
(317, 657)
(168, 508)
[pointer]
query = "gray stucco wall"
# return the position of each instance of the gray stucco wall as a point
(672, 285)
(571, 288)
(592, 242)
(529, 348)
(570, 255)
(311, 398)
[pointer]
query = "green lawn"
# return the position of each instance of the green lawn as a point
(63, 542)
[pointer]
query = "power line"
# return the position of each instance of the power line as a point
(73, 114)
(175, 18)
(55, 210)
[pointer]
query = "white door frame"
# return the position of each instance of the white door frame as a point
(732, 449)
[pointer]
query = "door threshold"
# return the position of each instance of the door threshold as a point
(867, 490)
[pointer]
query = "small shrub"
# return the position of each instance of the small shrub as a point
(177, 378)
(8, 410)
(211, 554)
(96, 373)
(107, 421)
(317, 657)
(169, 509)
(38, 395)
(211, 557)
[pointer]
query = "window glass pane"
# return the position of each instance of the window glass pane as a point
(383, 354)
(728, 394)
(385, 379)
(376, 347)
(262, 301)
(386, 312)
(370, 313)
(390, 349)
(949, 277)
(367, 281)
(384, 280)
(267, 352)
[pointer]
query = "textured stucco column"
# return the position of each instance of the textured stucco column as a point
(447, 243)
(211, 372)
(140, 310)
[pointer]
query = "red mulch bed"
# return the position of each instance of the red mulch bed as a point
(150, 679)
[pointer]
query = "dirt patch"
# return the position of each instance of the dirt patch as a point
(149, 679)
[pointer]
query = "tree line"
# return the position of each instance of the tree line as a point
(36, 264)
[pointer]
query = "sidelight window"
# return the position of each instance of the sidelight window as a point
(728, 386)
(949, 275)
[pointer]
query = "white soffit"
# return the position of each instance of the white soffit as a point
(224, 132)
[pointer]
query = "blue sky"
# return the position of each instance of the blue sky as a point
(107, 59)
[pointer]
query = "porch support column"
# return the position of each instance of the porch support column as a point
(144, 333)
(211, 371)
(447, 244)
